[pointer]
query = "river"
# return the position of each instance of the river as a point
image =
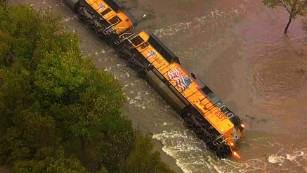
(239, 50)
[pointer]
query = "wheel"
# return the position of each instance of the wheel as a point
(223, 151)
(142, 73)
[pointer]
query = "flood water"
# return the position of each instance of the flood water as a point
(239, 50)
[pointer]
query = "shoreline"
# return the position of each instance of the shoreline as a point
(68, 18)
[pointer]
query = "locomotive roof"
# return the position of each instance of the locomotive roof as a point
(113, 4)
(116, 7)
(161, 48)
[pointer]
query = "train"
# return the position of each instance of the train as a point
(202, 111)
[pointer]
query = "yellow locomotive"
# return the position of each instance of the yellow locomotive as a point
(105, 17)
(201, 109)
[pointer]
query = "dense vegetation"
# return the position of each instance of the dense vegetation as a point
(57, 112)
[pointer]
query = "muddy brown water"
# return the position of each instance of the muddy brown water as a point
(238, 48)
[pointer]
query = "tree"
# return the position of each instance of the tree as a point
(55, 163)
(143, 159)
(293, 7)
(58, 113)
(49, 94)
(4, 3)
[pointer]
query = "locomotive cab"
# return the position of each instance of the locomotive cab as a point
(105, 17)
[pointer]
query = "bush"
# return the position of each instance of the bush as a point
(59, 113)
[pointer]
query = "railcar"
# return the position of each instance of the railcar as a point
(203, 112)
(105, 17)
(201, 109)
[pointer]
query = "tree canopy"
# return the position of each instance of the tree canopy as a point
(3, 3)
(293, 7)
(58, 113)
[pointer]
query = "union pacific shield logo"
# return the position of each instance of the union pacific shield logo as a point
(182, 82)
(150, 54)
(101, 6)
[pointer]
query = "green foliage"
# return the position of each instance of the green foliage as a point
(294, 8)
(3, 3)
(51, 164)
(142, 159)
(57, 112)
(118, 142)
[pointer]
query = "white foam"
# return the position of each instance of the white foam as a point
(191, 157)
(131, 101)
(177, 147)
(67, 19)
(199, 22)
(294, 156)
(276, 159)
(165, 135)
(107, 69)
(291, 157)
(138, 97)
(167, 124)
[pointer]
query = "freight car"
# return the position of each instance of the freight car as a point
(200, 108)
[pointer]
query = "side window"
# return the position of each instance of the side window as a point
(137, 41)
(105, 12)
(115, 20)
(207, 91)
(144, 45)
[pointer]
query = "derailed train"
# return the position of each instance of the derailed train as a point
(200, 108)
